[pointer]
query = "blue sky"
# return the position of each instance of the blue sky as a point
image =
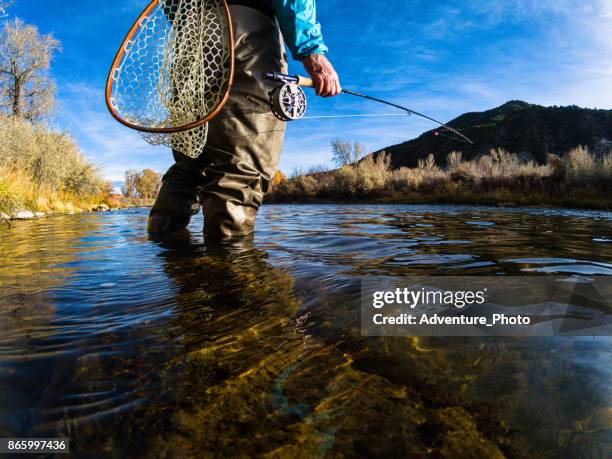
(443, 58)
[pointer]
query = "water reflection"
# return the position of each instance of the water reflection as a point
(175, 348)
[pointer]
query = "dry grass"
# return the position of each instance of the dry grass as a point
(42, 170)
(576, 179)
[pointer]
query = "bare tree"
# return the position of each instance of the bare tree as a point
(358, 151)
(143, 184)
(346, 153)
(4, 5)
(26, 89)
(130, 185)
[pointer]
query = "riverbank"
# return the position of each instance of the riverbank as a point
(43, 206)
(578, 180)
(43, 172)
(33, 214)
(492, 199)
(22, 199)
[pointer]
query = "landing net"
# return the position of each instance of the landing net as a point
(174, 72)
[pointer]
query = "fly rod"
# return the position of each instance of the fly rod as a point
(289, 101)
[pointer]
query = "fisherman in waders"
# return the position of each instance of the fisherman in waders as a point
(244, 143)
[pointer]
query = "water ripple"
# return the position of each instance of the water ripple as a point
(104, 329)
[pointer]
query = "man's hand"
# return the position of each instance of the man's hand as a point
(323, 74)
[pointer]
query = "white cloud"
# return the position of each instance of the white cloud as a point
(452, 60)
(106, 142)
(605, 8)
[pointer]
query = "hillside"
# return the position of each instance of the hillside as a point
(517, 127)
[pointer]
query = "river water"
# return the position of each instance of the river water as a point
(174, 348)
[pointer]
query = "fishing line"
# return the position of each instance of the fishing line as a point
(288, 102)
(352, 116)
(463, 138)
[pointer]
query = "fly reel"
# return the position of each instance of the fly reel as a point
(288, 102)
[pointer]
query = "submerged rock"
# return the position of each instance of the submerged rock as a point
(23, 215)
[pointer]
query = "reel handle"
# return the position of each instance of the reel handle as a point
(294, 79)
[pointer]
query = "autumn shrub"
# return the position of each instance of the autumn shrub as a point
(576, 178)
(38, 164)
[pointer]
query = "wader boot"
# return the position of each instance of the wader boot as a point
(244, 142)
(177, 200)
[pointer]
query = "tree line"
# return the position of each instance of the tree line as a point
(141, 184)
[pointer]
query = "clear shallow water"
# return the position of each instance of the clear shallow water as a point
(149, 348)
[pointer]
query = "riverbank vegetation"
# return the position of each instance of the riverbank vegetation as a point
(577, 179)
(141, 187)
(43, 170)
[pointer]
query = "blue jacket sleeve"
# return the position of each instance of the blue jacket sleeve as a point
(298, 23)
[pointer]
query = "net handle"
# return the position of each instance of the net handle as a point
(121, 52)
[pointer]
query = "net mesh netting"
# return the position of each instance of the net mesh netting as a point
(175, 71)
